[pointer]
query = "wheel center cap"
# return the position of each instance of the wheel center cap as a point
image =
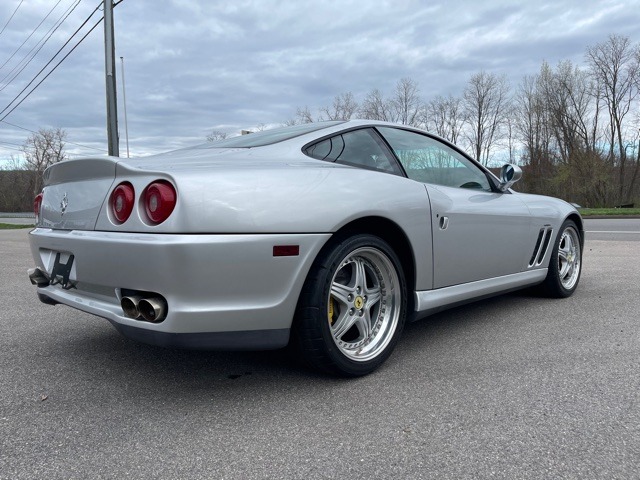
(358, 302)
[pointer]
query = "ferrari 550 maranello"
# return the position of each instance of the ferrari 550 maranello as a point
(328, 236)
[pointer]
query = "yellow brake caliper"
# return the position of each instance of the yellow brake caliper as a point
(331, 320)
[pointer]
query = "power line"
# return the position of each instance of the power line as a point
(6, 145)
(12, 148)
(39, 45)
(18, 126)
(31, 34)
(2, 120)
(20, 148)
(50, 32)
(56, 54)
(49, 62)
(9, 143)
(11, 17)
(52, 70)
(66, 141)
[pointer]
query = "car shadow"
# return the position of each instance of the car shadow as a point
(98, 357)
(103, 345)
(453, 321)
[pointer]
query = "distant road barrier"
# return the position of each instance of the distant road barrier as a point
(17, 215)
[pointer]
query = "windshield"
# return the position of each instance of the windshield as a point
(267, 137)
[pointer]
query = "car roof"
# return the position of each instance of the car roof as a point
(307, 132)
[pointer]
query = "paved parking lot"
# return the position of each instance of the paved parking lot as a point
(512, 387)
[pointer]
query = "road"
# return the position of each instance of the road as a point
(516, 386)
(613, 228)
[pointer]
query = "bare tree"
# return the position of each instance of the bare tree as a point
(582, 171)
(533, 120)
(404, 106)
(216, 135)
(406, 103)
(615, 66)
(573, 113)
(532, 129)
(510, 132)
(485, 102)
(376, 107)
(344, 106)
(16, 190)
(15, 186)
(443, 116)
(41, 150)
(303, 115)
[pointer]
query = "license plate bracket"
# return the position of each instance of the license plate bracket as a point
(61, 271)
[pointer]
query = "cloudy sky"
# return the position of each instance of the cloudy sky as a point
(196, 66)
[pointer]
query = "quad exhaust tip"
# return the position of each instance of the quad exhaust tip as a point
(152, 308)
(130, 306)
(38, 277)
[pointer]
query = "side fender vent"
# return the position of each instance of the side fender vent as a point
(542, 244)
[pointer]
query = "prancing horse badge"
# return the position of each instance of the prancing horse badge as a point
(64, 204)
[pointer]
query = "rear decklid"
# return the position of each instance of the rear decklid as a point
(74, 192)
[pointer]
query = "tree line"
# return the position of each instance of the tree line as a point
(574, 129)
(21, 180)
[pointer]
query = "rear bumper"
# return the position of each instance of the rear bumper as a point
(222, 291)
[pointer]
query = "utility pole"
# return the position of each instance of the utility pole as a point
(110, 71)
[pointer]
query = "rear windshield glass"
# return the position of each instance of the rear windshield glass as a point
(267, 137)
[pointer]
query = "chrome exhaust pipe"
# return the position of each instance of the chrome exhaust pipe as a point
(38, 277)
(130, 306)
(153, 309)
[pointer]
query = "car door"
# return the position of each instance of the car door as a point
(478, 232)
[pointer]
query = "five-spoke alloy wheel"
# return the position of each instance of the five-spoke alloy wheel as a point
(353, 306)
(566, 262)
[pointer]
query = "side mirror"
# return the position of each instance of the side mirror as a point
(509, 174)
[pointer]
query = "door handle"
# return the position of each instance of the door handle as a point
(444, 223)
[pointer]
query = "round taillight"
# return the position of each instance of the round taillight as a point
(159, 201)
(122, 201)
(37, 205)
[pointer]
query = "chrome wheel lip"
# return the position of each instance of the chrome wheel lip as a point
(374, 286)
(569, 258)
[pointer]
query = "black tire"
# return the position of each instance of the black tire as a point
(565, 265)
(352, 308)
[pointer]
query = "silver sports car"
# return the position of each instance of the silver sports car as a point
(327, 236)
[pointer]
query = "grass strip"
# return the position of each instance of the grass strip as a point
(613, 212)
(13, 226)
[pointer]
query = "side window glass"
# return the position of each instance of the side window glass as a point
(427, 160)
(362, 148)
(329, 149)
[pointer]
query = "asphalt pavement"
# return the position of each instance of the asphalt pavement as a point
(516, 386)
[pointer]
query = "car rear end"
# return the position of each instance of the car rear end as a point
(122, 241)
